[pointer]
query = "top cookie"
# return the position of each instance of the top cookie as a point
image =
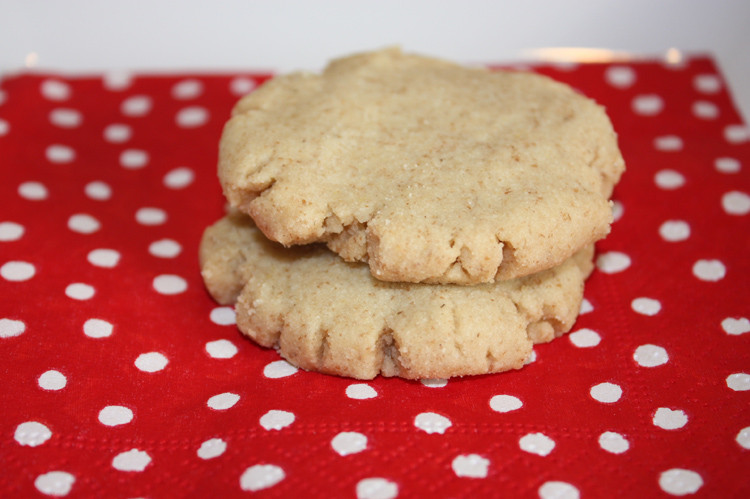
(428, 171)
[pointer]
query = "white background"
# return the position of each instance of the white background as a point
(161, 35)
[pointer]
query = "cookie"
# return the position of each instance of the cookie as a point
(426, 170)
(327, 315)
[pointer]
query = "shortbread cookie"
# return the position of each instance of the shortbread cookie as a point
(428, 171)
(327, 315)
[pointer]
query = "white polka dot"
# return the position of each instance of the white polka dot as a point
(107, 258)
(151, 216)
(505, 403)
(430, 422)
(620, 76)
(117, 133)
(646, 306)
(376, 488)
(349, 442)
(11, 327)
(606, 393)
(98, 191)
(179, 178)
(132, 460)
(531, 358)
(647, 105)
(55, 90)
(10, 231)
(65, 118)
(4, 127)
(470, 466)
(151, 362)
(55, 483)
(360, 391)
(612, 262)
(618, 210)
(32, 434)
(736, 327)
(115, 415)
(727, 165)
(187, 89)
(80, 291)
(668, 143)
(736, 134)
(33, 191)
(709, 270)
(434, 382)
(669, 179)
(707, 83)
(97, 328)
(736, 203)
(52, 380)
(743, 437)
(705, 110)
(613, 442)
(221, 349)
(561, 65)
(223, 316)
(558, 490)
(680, 482)
(191, 117)
(261, 476)
(58, 153)
(132, 159)
(586, 307)
(165, 248)
(212, 448)
(241, 85)
(169, 284)
(117, 80)
(669, 419)
(674, 60)
(16, 271)
(279, 369)
(276, 420)
(136, 106)
(585, 338)
(536, 443)
(739, 382)
(223, 401)
(650, 356)
(674, 230)
(83, 223)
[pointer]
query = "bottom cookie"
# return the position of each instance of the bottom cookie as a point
(323, 314)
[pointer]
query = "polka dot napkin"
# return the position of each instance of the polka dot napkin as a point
(122, 378)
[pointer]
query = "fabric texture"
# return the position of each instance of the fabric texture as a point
(120, 377)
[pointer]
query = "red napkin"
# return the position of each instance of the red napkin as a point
(122, 378)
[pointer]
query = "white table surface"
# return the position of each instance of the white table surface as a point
(161, 35)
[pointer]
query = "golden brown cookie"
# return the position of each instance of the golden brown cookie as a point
(327, 315)
(428, 171)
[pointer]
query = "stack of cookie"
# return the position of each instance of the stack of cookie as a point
(405, 216)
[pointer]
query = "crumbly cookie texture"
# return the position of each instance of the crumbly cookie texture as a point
(428, 171)
(327, 315)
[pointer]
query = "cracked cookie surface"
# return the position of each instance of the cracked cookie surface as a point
(426, 170)
(327, 315)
